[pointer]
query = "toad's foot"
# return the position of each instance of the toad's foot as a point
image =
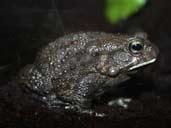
(122, 102)
(93, 113)
(85, 111)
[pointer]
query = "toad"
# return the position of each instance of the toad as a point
(77, 67)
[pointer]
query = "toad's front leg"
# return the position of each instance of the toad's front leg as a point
(85, 88)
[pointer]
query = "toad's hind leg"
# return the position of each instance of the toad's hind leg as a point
(31, 78)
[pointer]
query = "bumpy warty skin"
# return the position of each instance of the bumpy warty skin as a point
(76, 67)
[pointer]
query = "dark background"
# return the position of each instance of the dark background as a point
(26, 25)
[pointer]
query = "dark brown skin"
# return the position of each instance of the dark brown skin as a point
(75, 68)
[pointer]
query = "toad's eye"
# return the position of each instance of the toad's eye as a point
(136, 46)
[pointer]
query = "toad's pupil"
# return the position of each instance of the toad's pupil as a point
(137, 47)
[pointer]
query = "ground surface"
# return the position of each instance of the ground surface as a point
(25, 29)
(17, 110)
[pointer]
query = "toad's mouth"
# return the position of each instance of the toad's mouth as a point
(142, 64)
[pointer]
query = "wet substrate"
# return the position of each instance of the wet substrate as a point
(18, 110)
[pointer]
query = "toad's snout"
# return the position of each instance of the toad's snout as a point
(155, 51)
